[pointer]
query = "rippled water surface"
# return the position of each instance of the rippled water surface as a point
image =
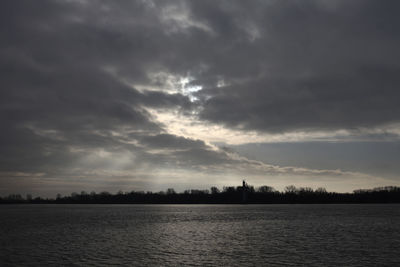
(171, 235)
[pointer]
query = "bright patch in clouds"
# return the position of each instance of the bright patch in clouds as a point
(189, 126)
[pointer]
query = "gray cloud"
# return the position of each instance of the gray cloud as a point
(312, 67)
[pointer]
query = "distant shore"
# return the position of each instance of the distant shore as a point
(229, 195)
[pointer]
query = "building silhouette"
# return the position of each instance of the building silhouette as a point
(245, 189)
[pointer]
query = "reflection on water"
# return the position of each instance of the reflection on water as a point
(170, 235)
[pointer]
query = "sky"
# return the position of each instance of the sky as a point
(150, 95)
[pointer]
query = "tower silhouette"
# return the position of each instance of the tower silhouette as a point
(244, 191)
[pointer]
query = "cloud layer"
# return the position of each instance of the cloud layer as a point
(81, 81)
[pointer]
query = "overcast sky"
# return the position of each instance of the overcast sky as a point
(148, 95)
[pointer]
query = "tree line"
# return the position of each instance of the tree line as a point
(228, 195)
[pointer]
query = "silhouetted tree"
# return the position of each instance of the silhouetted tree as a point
(320, 190)
(214, 190)
(229, 189)
(170, 191)
(290, 189)
(265, 189)
(305, 190)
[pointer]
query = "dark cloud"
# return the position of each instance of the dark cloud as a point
(286, 65)
(365, 99)
(59, 102)
(314, 66)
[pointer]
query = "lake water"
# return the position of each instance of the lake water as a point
(200, 235)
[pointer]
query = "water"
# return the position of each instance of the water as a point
(200, 235)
